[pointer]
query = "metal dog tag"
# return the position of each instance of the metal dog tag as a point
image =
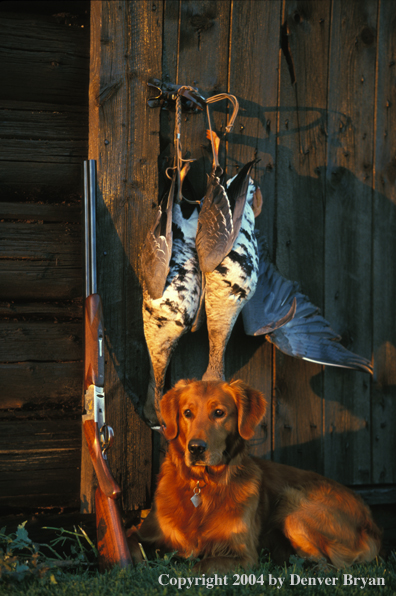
(196, 499)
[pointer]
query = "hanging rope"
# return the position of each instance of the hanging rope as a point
(177, 145)
(179, 161)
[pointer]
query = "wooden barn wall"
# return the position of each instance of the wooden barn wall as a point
(316, 86)
(44, 68)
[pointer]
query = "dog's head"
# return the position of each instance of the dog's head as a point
(211, 419)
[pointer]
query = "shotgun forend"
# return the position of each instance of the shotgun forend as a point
(94, 342)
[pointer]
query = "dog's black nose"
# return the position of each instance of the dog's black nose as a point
(197, 446)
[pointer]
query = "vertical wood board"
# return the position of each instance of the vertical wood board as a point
(384, 251)
(348, 234)
(254, 25)
(125, 140)
(203, 58)
(300, 167)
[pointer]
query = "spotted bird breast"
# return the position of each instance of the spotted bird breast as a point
(175, 311)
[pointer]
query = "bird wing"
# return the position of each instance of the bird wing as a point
(214, 226)
(157, 248)
(236, 192)
(291, 322)
(220, 218)
(309, 336)
(274, 301)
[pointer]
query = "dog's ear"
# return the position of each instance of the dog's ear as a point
(251, 406)
(169, 406)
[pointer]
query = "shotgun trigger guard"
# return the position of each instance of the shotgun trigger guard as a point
(166, 94)
(106, 439)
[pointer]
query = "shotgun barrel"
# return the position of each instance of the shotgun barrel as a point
(112, 545)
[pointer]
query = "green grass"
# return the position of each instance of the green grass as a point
(145, 581)
(38, 570)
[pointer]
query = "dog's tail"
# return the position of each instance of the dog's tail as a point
(329, 521)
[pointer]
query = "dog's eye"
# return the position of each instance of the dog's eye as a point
(187, 413)
(219, 413)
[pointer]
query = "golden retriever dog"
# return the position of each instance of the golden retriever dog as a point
(215, 502)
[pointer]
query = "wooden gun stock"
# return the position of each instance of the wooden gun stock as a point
(111, 539)
(112, 543)
(107, 484)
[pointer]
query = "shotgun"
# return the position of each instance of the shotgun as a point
(111, 539)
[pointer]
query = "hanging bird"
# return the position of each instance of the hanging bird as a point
(305, 334)
(227, 252)
(167, 315)
(157, 248)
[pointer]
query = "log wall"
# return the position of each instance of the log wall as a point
(44, 67)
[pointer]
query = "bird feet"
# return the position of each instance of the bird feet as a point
(214, 139)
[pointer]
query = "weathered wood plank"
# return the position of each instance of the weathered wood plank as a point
(348, 225)
(41, 384)
(130, 53)
(255, 24)
(42, 122)
(142, 172)
(170, 41)
(42, 413)
(40, 280)
(62, 496)
(35, 435)
(45, 463)
(202, 61)
(94, 79)
(45, 56)
(59, 152)
(297, 407)
(40, 260)
(204, 32)
(54, 310)
(36, 179)
(76, 10)
(40, 459)
(384, 250)
(49, 241)
(381, 495)
(21, 341)
(170, 57)
(41, 212)
(300, 162)
(24, 104)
